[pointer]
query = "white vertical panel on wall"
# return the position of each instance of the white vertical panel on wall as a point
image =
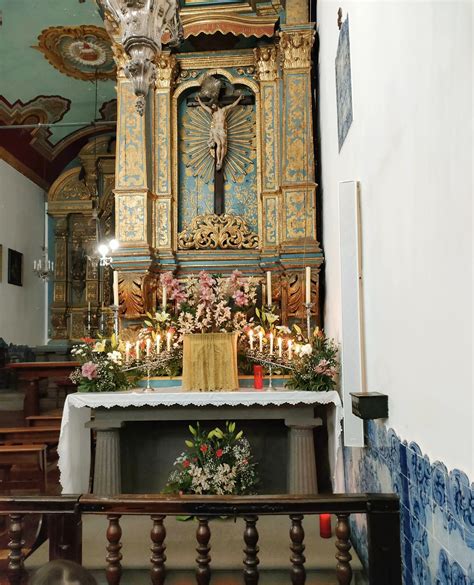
(352, 367)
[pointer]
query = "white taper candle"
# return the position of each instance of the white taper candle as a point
(269, 288)
(308, 284)
(116, 289)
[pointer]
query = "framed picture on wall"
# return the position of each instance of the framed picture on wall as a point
(15, 267)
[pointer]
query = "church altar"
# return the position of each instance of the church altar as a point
(112, 412)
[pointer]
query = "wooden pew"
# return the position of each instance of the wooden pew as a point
(30, 435)
(24, 456)
(44, 420)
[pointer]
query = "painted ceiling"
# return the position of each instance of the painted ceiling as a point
(56, 67)
(51, 52)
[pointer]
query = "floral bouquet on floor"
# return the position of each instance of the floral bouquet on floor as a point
(316, 363)
(101, 368)
(214, 463)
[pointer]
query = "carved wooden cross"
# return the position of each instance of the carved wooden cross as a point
(219, 198)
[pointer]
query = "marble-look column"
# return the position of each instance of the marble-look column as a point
(133, 200)
(107, 469)
(302, 460)
(267, 73)
(163, 227)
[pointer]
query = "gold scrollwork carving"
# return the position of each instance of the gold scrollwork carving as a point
(296, 48)
(217, 231)
(266, 63)
(166, 70)
(296, 294)
(131, 299)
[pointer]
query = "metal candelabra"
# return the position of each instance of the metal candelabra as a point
(152, 361)
(271, 361)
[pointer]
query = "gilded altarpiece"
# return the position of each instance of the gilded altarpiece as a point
(165, 187)
(80, 204)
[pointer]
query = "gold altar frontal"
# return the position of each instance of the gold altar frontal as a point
(210, 362)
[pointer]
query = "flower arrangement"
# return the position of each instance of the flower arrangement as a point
(215, 463)
(101, 368)
(315, 364)
(210, 303)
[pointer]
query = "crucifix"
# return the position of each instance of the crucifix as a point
(219, 109)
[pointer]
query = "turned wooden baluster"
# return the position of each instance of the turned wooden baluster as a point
(15, 556)
(158, 557)
(203, 535)
(298, 572)
(113, 571)
(251, 549)
(343, 545)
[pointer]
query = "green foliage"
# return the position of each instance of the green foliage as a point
(316, 365)
(218, 461)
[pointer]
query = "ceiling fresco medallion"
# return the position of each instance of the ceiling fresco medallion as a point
(83, 52)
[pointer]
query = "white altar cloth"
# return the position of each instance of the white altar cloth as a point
(74, 441)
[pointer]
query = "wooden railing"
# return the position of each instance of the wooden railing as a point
(64, 519)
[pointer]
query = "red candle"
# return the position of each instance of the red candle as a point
(258, 377)
(325, 525)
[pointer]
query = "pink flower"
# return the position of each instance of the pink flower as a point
(324, 367)
(89, 370)
(186, 463)
(167, 279)
(178, 296)
(203, 448)
(240, 298)
(219, 453)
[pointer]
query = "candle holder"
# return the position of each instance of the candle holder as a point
(115, 311)
(153, 361)
(271, 362)
(88, 323)
(308, 307)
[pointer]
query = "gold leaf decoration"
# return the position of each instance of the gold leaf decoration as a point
(217, 231)
(130, 295)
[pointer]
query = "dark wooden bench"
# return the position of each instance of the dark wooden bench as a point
(30, 435)
(21, 457)
(44, 420)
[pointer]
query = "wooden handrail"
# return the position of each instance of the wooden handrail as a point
(173, 505)
(64, 513)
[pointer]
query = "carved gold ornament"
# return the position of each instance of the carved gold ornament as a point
(166, 70)
(266, 63)
(296, 48)
(227, 232)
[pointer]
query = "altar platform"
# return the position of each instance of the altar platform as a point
(141, 433)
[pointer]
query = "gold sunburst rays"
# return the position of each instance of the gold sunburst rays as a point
(241, 148)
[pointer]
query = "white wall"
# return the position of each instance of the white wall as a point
(22, 308)
(410, 145)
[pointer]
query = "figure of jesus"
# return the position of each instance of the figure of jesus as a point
(218, 129)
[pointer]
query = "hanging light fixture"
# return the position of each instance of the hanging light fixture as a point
(43, 267)
(142, 27)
